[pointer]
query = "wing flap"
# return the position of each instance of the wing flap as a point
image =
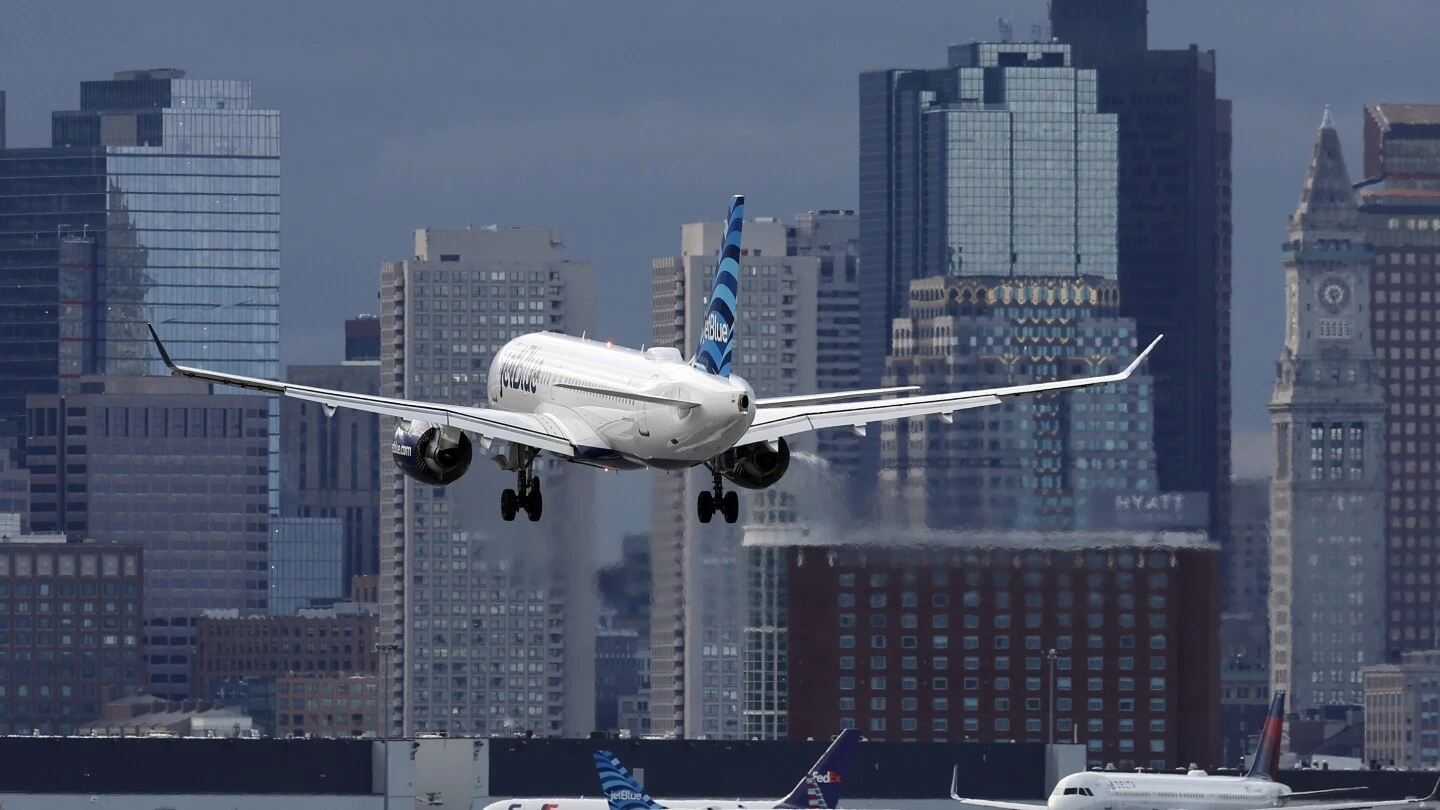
(775, 422)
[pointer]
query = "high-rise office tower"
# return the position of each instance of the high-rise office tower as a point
(331, 463)
(1327, 510)
(488, 627)
(158, 202)
(698, 569)
(1400, 212)
(1028, 291)
(163, 463)
(1173, 229)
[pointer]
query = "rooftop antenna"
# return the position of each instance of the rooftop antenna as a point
(1006, 29)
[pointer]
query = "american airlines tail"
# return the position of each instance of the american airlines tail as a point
(1267, 753)
(621, 790)
(712, 355)
(826, 777)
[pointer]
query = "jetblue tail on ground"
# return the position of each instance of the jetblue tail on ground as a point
(1267, 753)
(622, 791)
(821, 786)
(713, 353)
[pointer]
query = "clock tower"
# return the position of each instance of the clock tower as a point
(1327, 525)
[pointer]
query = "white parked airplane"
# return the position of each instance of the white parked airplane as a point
(605, 406)
(1196, 790)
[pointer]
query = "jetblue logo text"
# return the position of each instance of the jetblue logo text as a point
(626, 794)
(521, 371)
(716, 330)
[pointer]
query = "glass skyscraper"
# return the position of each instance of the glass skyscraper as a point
(172, 218)
(996, 166)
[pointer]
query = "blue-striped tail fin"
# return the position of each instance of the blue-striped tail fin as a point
(718, 329)
(622, 792)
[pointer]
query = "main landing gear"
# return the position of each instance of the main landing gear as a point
(526, 494)
(718, 500)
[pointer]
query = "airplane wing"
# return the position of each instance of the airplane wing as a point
(1434, 793)
(539, 431)
(993, 805)
(772, 423)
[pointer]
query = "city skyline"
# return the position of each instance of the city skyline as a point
(558, 164)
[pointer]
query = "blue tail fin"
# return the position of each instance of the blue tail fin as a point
(820, 787)
(713, 353)
(623, 792)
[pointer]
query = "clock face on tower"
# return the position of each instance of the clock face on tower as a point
(1333, 294)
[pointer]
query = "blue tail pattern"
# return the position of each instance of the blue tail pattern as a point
(713, 354)
(623, 792)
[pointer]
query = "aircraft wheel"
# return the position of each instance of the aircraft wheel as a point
(732, 506)
(705, 506)
(534, 504)
(509, 504)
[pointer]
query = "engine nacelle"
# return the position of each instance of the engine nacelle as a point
(431, 454)
(754, 466)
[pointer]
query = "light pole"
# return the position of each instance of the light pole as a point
(1052, 655)
(386, 700)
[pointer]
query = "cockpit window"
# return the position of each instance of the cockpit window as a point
(1071, 791)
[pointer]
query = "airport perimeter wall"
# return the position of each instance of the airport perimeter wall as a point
(180, 774)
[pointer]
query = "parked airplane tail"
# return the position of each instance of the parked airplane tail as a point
(621, 790)
(821, 786)
(1267, 754)
(713, 352)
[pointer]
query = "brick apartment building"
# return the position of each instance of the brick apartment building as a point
(967, 642)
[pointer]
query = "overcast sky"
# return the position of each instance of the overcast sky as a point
(619, 121)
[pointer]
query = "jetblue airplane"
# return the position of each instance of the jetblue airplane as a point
(605, 406)
(818, 788)
(1256, 790)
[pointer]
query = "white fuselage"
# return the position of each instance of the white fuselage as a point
(530, 374)
(1101, 790)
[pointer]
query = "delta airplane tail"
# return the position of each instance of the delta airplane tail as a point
(1266, 764)
(621, 790)
(713, 352)
(822, 785)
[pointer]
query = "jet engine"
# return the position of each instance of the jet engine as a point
(754, 466)
(431, 454)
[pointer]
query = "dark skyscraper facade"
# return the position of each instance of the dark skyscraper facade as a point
(1400, 212)
(1173, 231)
(158, 202)
(331, 463)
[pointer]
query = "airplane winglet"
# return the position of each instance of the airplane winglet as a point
(164, 355)
(1134, 364)
(955, 783)
(1434, 793)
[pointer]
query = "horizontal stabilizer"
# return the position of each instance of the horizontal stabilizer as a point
(807, 399)
(598, 390)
